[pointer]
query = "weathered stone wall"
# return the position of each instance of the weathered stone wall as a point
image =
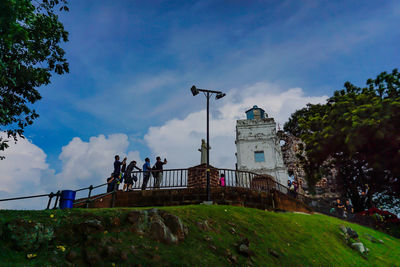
(189, 196)
(259, 135)
(290, 148)
(285, 202)
(263, 182)
(327, 186)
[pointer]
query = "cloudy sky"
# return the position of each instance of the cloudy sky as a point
(133, 62)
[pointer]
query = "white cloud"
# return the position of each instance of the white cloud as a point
(85, 163)
(179, 140)
(22, 166)
(20, 173)
(25, 171)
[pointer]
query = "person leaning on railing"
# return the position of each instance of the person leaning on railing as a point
(110, 183)
(158, 175)
(128, 178)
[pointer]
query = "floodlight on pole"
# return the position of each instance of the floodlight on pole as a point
(218, 95)
(194, 90)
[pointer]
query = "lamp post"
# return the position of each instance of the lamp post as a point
(208, 94)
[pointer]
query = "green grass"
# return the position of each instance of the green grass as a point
(299, 239)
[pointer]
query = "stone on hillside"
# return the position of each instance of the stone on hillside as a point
(353, 234)
(160, 225)
(245, 241)
(213, 247)
(28, 235)
(203, 226)
(90, 226)
(160, 232)
(208, 238)
(343, 229)
(273, 253)
(139, 220)
(233, 259)
(245, 250)
(360, 248)
(174, 223)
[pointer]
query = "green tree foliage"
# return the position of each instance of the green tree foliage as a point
(357, 133)
(30, 37)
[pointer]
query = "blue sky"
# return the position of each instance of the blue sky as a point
(132, 64)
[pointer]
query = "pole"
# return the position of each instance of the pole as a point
(208, 148)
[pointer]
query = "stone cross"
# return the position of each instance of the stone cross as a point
(203, 151)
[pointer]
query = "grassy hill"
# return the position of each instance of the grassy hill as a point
(213, 237)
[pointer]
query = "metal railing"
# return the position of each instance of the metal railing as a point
(50, 196)
(168, 179)
(251, 180)
(171, 179)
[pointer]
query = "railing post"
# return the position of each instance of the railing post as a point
(113, 195)
(49, 202)
(88, 199)
(57, 197)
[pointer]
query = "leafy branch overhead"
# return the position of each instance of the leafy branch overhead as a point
(356, 132)
(30, 52)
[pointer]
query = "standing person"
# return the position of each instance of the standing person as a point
(292, 188)
(146, 173)
(349, 209)
(339, 207)
(289, 184)
(110, 183)
(158, 175)
(128, 177)
(296, 187)
(117, 170)
(222, 180)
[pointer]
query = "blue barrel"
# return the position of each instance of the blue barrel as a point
(67, 199)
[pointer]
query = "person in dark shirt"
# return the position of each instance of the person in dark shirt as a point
(128, 177)
(117, 170)
(146, 173)
(339, 207)
(158, 175)
(110, 183)
(349, 209)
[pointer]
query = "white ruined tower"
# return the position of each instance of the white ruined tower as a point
(257, 145)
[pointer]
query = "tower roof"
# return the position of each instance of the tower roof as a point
(255, 113)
